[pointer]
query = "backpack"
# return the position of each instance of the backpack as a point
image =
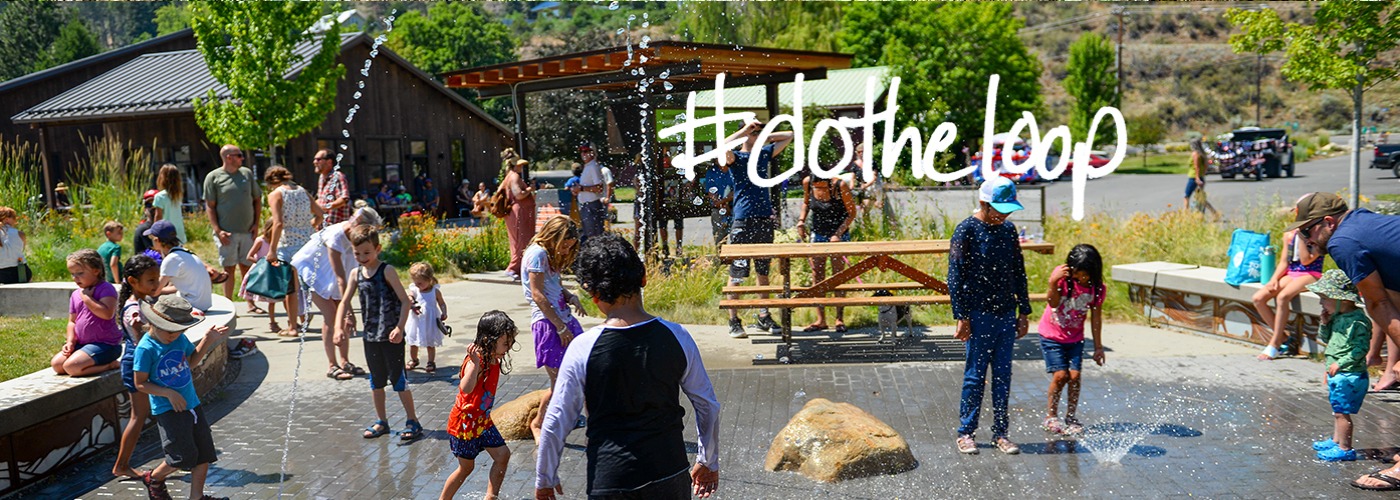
(499, 204)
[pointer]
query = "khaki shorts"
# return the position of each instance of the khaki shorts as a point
(235, 253)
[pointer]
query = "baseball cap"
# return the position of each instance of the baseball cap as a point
(1000, 193)
(162, 229)
(585, 146)
(171, 313)
(1314, 206)
(149, 194)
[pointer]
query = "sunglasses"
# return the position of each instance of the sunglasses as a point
(318, 158)
(1305, 231)
(239, 155)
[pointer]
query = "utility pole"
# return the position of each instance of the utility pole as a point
(1258, 96)
(1119, 55)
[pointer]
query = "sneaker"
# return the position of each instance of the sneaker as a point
(212, 497)
(966, 445)
(1007, 447)
(1324, 445)
(765, 323)
(736, 329)
(1073, 427)
(1053, 425)
(581, 423)
(1337, 455)
(156, 490)
(244, 348)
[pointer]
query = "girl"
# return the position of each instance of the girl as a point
(429, 309)
(12, 242)
(1298, 266)
(181, 271)
(469, 426)
(141, 279)
(833, 209)
(167, 203)
(551, 251)
(1076, 292)
(94, 343)
(258, 252)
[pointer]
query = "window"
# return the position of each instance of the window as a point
(417, 160)
(459, 160)
(380, 164)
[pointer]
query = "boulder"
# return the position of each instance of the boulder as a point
(831, 442)
(513, 419)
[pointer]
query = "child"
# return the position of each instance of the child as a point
(1347, 333)
(632, 368)
(258, 252)
(111, 251)
(385, 307)
(1076, 293)
(94, 342)
(987, 287)
(141, 279)
(181, 272)
(429, 309)
(162, 369)
(469, 426)
(551, 251)
(12, 242)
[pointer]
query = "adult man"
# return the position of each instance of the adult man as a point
(234, 206)
(332, 192)
(592, 189)
(719, 188)
(1366, 246)
(753, 215)
(428, 198)
(464, 197)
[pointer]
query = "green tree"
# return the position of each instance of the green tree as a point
(1090, 79)
(1145, 131)
(1348, 46)
(946, 80)
(173, 17)
(453, 36)
(29, 27)
(274, 93)
(74, 42)
(784, 25)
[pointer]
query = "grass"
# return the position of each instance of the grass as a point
(29, 344)
(1159, 163)
(625, 194)
(1393, 198)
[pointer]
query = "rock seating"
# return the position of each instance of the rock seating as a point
(831, 442)
(513, 418)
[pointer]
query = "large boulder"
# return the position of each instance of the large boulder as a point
(513, 419)
(831, 442)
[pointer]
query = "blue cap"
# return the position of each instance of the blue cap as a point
(164, 230)
(1000, 193)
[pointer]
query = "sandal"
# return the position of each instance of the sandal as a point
(1053, 425)
(411, 364)
(274, 327)
(352, 369)
(378, 428)
(290, 331)
(967, 445)
(252, 309)
(339, 373)
(840, 328)
(1073, 427)
(430, 367)
(155, 490)
(411, 431)
(814, 328)
(1007, 447)
(1392, 484)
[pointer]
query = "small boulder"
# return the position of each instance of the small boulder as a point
(513, 419)
(831, 442)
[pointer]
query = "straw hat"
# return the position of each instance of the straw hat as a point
(61, 187)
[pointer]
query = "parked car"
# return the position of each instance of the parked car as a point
(1387, 156)
(1276, 150)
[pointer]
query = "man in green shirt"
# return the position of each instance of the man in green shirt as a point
(234, 207)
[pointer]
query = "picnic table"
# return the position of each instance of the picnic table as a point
(873, 255)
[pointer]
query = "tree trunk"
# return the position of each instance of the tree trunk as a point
(1353, 186)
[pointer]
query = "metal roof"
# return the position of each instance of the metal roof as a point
(841, 88)
(152, 84)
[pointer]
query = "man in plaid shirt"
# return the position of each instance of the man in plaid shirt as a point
(333, 193)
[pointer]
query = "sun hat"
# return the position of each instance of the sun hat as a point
(1314, 206)
(1000, 193)
(61, 187)
(1335, 285)
(162, 229)
(171, 313)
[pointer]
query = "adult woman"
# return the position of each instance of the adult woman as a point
(324, 263)
(169, 200)
(520, 223)
(832, 208)
(479, 200)
(294, 218)
(12, 242)
(1298, 266)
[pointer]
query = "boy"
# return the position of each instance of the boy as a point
(111, 251)
(628, 373)
(162, 369)
(987, 286)
(385, 307)
(1347, 332)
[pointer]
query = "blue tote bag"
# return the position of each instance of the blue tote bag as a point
(1245, 246)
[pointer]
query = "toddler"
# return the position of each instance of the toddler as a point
(551, 251)
(140, 280)
(1347, 332)
(94, 342)
(1076, 293)
(385, 307)
(429, 310)
(469, 426)
(111, 250)
(258, 252)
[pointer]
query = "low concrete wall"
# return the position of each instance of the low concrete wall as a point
(48, 421)
(1196, 298)
(27, 299)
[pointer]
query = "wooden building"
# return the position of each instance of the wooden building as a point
(406, 123)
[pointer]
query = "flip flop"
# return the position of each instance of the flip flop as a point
(814, 328)
(841, 328)
(1392, 484)
(256, 310)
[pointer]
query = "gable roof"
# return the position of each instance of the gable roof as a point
(842, 88)
(117, 53)
(167, 83)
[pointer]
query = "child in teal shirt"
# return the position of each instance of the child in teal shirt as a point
(1347, 332)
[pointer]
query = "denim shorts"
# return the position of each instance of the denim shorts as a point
(468, 449)
(101, 354)
(1060, 357)
(1346, 390)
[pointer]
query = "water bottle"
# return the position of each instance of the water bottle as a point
(1268, 259)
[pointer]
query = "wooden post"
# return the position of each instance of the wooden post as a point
(48, 169)
(775, 193)
(785, 269)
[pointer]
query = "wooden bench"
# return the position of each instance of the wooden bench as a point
(896, 300)
(849, 287)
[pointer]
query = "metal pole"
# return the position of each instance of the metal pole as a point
(1258, 89)
(1119, 54)
(1353, 185)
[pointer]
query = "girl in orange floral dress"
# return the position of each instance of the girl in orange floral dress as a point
(469, 426)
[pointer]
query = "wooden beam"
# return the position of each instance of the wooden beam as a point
(584, 81)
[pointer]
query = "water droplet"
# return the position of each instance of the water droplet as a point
(643, 113)
(364, 72)
(343, 147)
(646, 40)
(646, 15)
(642, 59)
(697, 201)
(621, 31)
(646, 24)
(665, 74)
(680, 117)
(714, 190)
(631, 17)
(799, 394)
(357, 94)
(645, 105)
(613, 5)
(374, 53)
(634, 72)
(668, 86)
(723, 211)
(362, 84)
(345, 133)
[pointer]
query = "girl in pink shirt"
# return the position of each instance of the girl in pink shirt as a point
(1076, 293)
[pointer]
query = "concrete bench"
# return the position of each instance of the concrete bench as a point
(49, 421)
(48, 298)
(1196, 298)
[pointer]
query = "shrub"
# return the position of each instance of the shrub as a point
(467, 250)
